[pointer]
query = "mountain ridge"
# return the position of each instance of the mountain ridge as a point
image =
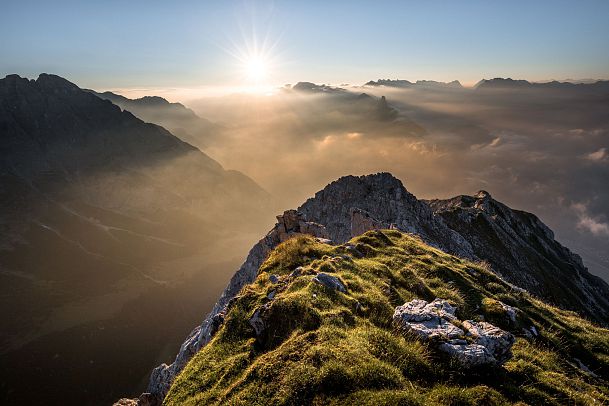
(100, 210)
(176, 117)
(345, 209)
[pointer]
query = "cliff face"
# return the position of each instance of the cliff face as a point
(352, 205)
(385, 200)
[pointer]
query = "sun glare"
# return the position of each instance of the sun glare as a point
(256, 70)
(257, 61)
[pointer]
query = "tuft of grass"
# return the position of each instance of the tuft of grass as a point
(323, 347)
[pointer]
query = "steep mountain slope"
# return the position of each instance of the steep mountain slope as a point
(522, 249)
(353, 205)
(180, 120)
(97, 208)
(292, 338)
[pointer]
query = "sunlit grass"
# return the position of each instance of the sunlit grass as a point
(326, 347)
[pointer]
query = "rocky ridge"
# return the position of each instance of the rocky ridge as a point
(522, 249)
(314, 327)
(177, 118)
(353, 205)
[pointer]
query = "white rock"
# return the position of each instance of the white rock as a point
(469, 355)
(428, 320)
(497, 341)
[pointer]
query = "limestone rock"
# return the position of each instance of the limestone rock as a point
(510, 311)
(145, 399)
(434, 322)
(296, 272)
(429, 321)
(257, 322)
(497, 341)
(469, 355)
(125, 402)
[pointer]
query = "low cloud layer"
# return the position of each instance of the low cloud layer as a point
(543, 151)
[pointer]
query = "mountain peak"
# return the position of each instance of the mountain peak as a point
(482, 194)
(50, 81)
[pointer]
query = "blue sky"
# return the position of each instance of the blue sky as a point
(109, 44)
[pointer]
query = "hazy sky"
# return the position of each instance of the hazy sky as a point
(109, 44)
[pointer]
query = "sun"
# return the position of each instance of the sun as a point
(257, 60)
(256, 69)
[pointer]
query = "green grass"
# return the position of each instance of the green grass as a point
(323, 347)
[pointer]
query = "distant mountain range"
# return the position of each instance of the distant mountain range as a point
(501, 83)
(496, 83)
(401, 83)
(362, 110)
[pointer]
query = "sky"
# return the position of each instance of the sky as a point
(141, 44)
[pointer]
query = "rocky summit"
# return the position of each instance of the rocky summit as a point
(367, 295)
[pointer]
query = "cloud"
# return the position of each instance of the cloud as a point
(598, 156)
(441, 144)
(588, 223)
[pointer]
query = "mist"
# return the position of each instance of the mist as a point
(538, 149)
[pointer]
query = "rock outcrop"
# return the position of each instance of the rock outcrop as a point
(475, 344)
(354, 204)
(330, 282)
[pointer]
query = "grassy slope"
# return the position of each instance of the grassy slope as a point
(326, 347)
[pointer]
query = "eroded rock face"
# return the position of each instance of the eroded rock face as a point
(362, 221)
(476, 344)
(353, 205)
